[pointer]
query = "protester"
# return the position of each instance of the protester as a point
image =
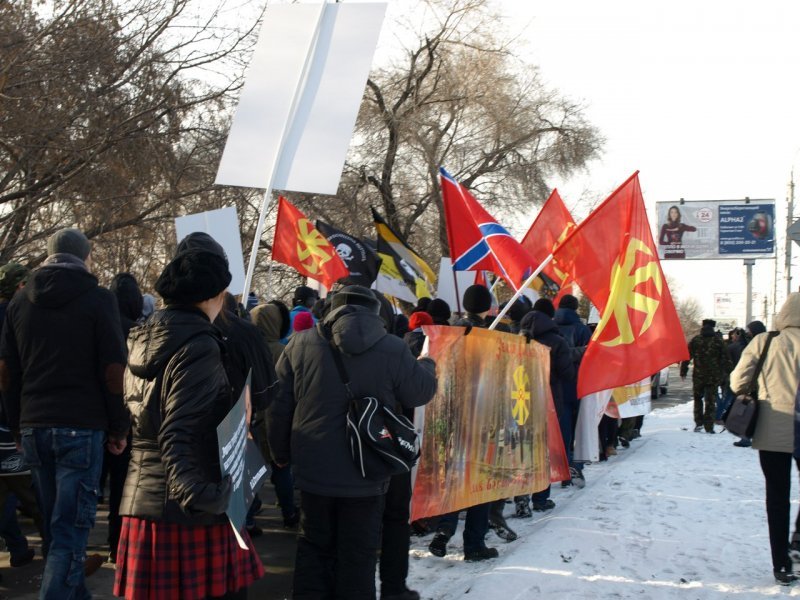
(396, 530)
(775, 435)
(303, 300)
(15, 475)
(577, 335)
(130, 302)
(62, 357)
(175, 498)
(711, 367)
(272, 319)
(341, 512)
(477, 301)
(439, 310)
(539, 325)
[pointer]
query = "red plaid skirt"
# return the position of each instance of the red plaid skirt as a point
(166, 561)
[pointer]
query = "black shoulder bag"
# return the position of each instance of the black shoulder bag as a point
(382, 442)
(742, 416)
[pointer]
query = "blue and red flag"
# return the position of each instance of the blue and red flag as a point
(477, 241)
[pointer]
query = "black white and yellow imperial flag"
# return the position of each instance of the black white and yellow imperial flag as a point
(403, 274)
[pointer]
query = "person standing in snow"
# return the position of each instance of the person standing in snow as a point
(774, 436)
(711, 366)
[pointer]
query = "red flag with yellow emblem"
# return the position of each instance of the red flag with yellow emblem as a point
(551, 227)
(299, 245)
(613, 259)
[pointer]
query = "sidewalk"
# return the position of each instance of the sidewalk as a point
(276, 548)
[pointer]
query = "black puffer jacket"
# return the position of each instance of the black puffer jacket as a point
(177, 392)
(544, 330)
(307, 420)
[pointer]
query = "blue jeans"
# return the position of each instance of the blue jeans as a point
(65, 465)
(283, 481)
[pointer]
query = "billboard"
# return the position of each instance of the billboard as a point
(712, 229)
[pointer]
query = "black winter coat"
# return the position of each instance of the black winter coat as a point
(307, 421)
(544, 330)
(62, 354)
(177, 392)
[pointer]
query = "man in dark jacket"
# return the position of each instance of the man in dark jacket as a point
(541, 327)
(711, 366)
(62, 359)
(341, 511)
(577, 336)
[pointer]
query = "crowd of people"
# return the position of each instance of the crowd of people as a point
(101, 390)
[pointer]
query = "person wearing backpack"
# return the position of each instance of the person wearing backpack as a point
(340, 510)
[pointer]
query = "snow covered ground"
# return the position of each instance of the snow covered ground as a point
(678, 515)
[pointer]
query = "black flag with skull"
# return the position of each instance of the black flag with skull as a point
(362, 261)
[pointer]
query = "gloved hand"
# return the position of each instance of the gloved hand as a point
(214, 498)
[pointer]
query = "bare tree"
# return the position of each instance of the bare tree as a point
(460, 99)
(104, 122)
(690, 314)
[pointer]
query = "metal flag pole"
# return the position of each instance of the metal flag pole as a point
(518, 293)
(266, 201)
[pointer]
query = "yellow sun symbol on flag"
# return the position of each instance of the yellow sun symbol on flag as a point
(625, 277)
(521, 396)
(313, 249)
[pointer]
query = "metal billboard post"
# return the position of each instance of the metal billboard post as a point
(748, 301)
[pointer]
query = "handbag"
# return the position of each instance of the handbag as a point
(382, 442)
(742, 415)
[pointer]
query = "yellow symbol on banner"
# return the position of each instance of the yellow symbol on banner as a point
(312, 245)
(521, 396)
(624, 279)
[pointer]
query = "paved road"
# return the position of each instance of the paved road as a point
(276, 546)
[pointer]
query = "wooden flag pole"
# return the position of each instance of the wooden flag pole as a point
(518, 293)
(455, 287)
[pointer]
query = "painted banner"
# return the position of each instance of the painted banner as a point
(485, 433)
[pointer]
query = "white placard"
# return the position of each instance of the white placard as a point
(223, 226)
(301, 97)
(446, 289)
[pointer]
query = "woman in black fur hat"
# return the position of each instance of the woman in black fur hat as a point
(174, 501)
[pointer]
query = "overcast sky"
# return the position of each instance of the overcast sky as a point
(701, 97)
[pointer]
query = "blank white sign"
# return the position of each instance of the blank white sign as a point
(223, 226)
(301, 97)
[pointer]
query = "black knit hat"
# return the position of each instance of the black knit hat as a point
(69, 241)
(756, 327)
(303, 293)
(568, 301)
(439, 310)
(193, 276)
(477, 299)
(11, 275)
(709, 323)
(545, 305)
(356, 295)
(200, 240)
(519, 309)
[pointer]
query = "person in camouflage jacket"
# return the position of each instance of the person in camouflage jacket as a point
(711, 367)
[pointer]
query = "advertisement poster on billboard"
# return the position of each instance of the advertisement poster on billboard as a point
(716, 229)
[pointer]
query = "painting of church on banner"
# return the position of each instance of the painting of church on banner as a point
(485, 431)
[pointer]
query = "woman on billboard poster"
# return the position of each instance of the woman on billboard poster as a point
(672, 234)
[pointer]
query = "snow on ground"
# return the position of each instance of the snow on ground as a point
(678, 515)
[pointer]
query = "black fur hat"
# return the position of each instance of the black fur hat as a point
(477, 299)
(193, 276)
